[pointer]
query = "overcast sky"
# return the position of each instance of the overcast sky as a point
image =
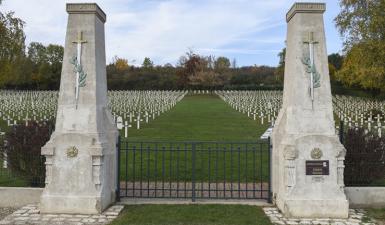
(251, 31)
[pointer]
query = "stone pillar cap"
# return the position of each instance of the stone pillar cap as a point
(305, 7)
(86, 8)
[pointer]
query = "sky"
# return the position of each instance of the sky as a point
(250, 31)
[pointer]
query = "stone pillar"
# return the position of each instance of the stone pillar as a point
(81, 154)
(307, 155)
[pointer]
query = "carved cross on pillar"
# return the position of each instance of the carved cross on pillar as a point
(80, 75)
(314, 76)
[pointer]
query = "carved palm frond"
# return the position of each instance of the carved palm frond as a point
(79, 69)
(310, 68)
(82, 79)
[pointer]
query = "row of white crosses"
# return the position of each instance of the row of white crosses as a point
(199, 92)
(360, 112)
(20, 107)
(261, 105)
(353, 111)
(4, 156)
(132, 108)
(17, 107)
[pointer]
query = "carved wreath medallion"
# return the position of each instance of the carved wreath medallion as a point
(72, 152)
(316, 153)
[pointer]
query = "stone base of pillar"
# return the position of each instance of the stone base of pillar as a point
(311, 208)
(72, 204)
(80, 173)
(302, 195)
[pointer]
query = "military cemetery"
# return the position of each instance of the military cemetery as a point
(176, 144)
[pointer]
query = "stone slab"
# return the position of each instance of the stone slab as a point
(19, 196)
(356, 217)
(30, 214)
(366, 197)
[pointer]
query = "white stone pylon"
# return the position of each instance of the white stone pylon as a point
(308, 159)
(81, 161)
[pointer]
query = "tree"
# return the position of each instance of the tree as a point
(47, 63)
(335, 63)
(332, 72)
(37, 52)
(222, 64)
(12, 37)
(280, 71)
(147, 63)
(336, 60)
(361, 21)
(192, 63)
(12, 45)
(120, 64)
(362, 24)
(364, 66)
(168, 65)
(55, 54)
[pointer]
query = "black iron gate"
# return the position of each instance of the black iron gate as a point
(194, 170)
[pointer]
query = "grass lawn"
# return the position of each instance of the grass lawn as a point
(199, 118)
(196, 118)
(9, 179)
(236, 162)
(191, 215)
(378, 214)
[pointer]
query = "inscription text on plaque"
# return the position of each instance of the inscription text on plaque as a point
(317, 167)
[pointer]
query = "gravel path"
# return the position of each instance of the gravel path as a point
(5, 212)
(30, 214)
(356, 217)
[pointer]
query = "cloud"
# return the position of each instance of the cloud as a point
(165, 29)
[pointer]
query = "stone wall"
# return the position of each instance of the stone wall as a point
(365, 197)
(359, 197)
(19, 196)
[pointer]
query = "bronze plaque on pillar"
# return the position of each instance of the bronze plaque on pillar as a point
(317, 167)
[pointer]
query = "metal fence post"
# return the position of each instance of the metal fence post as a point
(341, 131)
(117, 194)
(269, 199)
(193, 173)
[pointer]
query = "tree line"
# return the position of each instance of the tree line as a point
(193, 71)
(362, 25)
(33, 67)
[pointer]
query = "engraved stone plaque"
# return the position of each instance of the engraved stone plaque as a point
(317, 167)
